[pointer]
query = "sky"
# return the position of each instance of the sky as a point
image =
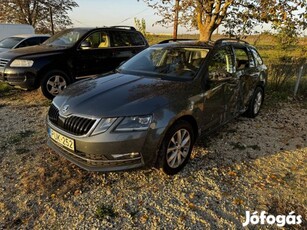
(116, 12)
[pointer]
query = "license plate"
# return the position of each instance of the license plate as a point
(59, 138)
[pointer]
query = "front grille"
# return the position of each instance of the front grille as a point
(3, 62)
(73, 124)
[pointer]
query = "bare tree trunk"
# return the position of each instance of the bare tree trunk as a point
(176, 9)
(205, 32)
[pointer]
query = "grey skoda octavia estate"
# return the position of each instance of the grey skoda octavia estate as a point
(150, 111)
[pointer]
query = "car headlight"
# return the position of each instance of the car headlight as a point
(135, 123)
(103, 125)
(21, 63)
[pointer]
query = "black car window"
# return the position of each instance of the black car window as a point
(257, 57)
(121, 38)
(136, 39)
(29, 42)
(42, 39)
(127, 38)
(98, 39)
(221, 63)
(242, 60)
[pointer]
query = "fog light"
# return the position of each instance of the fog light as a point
(126, 155)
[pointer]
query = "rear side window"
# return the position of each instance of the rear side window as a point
(126, 38)
(221, 62)
(257, 57)
(242, 60)
(137, 39)
(30, 42)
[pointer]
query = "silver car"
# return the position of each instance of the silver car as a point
(22, 40)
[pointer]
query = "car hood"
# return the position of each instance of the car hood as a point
(4, 50)
(28, 51)
(120, 95)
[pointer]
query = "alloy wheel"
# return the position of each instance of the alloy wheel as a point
(258, 102)
(178, 148)
(56, 84)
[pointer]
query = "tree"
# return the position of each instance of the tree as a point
(37, 13)
(207, 15)
(140, 25)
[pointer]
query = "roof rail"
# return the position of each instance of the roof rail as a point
(230, 40)
(123, 27)
(175, 40)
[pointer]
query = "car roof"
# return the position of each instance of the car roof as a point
(184, 43)
(29, 35)
(202, 44)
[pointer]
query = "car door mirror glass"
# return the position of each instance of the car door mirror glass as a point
(85, 45)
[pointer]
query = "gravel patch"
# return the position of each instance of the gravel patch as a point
(249, 165)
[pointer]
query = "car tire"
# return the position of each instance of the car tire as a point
(255, 103)
(176, 148)
(53, 83)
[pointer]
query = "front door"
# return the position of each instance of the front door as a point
(221, 85)
(96, 56)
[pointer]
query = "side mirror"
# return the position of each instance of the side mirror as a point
(85, 45)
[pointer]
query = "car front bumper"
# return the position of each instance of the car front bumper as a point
(20, 77)
(104, 152)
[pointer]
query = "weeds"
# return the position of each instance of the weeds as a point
(5, 89)
(19, 136)
(105, 211)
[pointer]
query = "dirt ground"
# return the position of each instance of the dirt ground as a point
(249, 165)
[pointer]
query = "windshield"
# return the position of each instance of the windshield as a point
(66, 38)
(10, 42)
(170, 62)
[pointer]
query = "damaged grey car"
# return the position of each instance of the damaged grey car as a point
(150, 111)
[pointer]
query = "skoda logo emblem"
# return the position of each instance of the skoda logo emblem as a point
(65, 108)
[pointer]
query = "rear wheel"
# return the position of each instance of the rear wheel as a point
(53, 83)
(176, 147)
(255, 103)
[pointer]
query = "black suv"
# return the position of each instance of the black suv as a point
(152, 109)
(69, 55)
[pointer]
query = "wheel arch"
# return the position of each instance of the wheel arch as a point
(187, 118)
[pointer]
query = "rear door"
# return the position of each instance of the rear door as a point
(247, 72)
(125, 44)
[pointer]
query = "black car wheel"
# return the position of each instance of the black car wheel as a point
(255, 103)
(53, 83)
(176, 147)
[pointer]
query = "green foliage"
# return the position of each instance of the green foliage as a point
(104, 211)
(4, 88)
(287, 37)
(238, 16)
(140, 25)
(37, 13)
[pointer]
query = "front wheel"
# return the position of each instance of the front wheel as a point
(53, 83)
(255, 103)
(176, 147)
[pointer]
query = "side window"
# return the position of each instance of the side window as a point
(242, 60)
(257, 57)
(136, 39)
(29, 42)
(98, 40)
(22, 44)
(221, 63)
(42, 39)
(121, 39)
